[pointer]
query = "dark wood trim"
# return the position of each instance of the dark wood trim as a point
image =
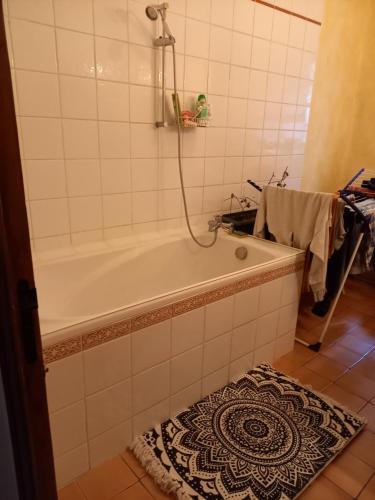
(21, 367)
(287, 11)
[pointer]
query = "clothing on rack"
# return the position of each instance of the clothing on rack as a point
(365, 260)
(299, 219)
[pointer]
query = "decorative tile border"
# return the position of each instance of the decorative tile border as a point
(287, 11)
(86, 341)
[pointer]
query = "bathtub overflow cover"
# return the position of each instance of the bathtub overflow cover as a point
(241, 253)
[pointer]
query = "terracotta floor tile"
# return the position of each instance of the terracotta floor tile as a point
(351, 401)
(363, 447)
(326, 367)
(135, 492)
(369, 412)
(356, 342)
(155, 491)
(308, 377)
(341, 354)
(368, 493)
(107, 480)
(357, 384)
(323, 489)
(295, 359)
(71, 492)
(366, 367)
(349, 473)
(133, 463)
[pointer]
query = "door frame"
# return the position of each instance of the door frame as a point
(21, 356)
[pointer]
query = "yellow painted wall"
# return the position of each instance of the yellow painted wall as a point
(341, 136)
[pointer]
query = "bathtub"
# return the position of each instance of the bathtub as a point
(131, 334)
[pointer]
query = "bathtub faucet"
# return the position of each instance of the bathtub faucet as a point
(217, 222)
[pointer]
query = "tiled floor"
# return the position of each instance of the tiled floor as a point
(344, 370)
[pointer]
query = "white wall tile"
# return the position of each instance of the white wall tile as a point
(145, 392)
(37, 93)
(151, 346)
(297, 32)
(218, 82)
(253, 142)
(40, 11)
(197, 38)
(143, 141)
(33, 46)
(85, 213)
(216, 353)
(219, 317)
(263, 20)
(270, 296)
(116, 176)
(110, 19)
(243, 16)
(222, 12)
(114, 139)
(117, 209)
(198, 9)
(186, 369)
(83, 177)
(196, 74)
(280, 27)
(246, 306)
(78, 97)
(240, 366)
(260, 55)
(75, 53)
(45, 179)
(243, 340)
(64, 382)
(68, 428)
(80, 139)
(113, 101)
(147, 419)
(74, 14)
(49, 217)
(71, 465)
(42, 138)
(111, 59)
(185, 398)
(145, 206)
(239, 81)
(278, 55)
(255, 114)
(187, 330)
(241, 49)
(220, 44)
(142, 65)
(169, 204)
(266, 329)
(257, 85)
(287, 319)
(142, 104)
(264, 354)
(110, 443)
(108, 408)
(114, 361)
(215, 381)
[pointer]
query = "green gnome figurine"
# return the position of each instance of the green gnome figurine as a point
(203, 112)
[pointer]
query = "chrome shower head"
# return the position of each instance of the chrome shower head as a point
(151, 12)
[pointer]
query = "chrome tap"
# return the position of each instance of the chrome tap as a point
(217, 222)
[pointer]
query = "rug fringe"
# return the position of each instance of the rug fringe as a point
(154, 468)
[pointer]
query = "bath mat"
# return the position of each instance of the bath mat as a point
(263, 436)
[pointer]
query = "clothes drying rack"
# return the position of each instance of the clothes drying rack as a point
(354, 186)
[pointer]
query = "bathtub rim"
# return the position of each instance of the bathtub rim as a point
(61, 346)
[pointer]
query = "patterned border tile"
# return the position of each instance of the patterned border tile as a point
(62, 349)
(86, 341)
(105, 334)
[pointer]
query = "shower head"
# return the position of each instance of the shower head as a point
(151, 13)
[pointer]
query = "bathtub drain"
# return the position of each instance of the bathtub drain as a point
(241, 253)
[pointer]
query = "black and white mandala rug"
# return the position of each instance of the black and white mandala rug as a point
(263, 436)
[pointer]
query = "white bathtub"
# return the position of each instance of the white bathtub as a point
(133, 334)
(84, 292)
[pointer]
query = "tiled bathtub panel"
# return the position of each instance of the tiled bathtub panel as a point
(226, 355)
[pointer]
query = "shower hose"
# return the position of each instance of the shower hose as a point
(178, 123)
